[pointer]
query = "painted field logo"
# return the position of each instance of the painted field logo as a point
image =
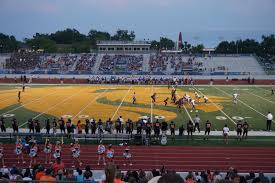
(8, 115)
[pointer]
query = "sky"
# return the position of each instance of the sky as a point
(200, 21)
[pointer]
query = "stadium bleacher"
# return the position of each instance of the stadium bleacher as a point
(128, 64)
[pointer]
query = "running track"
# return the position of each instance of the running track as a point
(187, 158)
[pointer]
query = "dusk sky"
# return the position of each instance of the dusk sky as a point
(198, 20)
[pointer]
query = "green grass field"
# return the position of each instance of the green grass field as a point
(111, 101)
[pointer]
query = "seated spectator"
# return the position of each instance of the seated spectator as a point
(48, 178)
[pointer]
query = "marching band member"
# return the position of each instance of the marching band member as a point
(127, 156)
(75, 149)
(110, 153)
(57, 150)
(2, 154)
(33, 153)
(48, 150)
(19, 150)
(101, 153)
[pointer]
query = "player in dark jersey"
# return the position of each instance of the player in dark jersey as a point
(61, 125)
(87, 126)
(23, 87)
(139, 126)
(190, 128)
(14, 125)
(48, 126)
(173, 95)
(118, 126)
(93, 126)
(172, 129)
(134, 98)
(2, 124)
(153, 97)
(157, 129)
(31, 126)
(179, 104)
(166, 101)
(239, 130)
(129, 127)
(207, 129)
(245, 130)
(19, 96)
(148, 129)
(54, 124)
(272, 90)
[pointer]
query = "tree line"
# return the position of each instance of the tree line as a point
(72, 41)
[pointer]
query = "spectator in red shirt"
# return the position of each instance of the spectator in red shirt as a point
(58, 165)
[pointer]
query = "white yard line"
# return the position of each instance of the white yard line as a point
(57, 104)
(260, 97)
(121, 103)
(32, 101)
(243, 103)
(185, 109)
(94, 99)
(217, 107)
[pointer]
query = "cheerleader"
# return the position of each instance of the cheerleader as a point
(110, 153)
(101, 153)
(19, 151)
(127, 156)
(47, 151)
(57, 150)
(33, 153)
(75, 149)
(2, 154)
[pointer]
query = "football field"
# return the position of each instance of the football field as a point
(79, 102)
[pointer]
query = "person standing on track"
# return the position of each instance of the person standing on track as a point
(93, 126)
(62, 125)
(190, 128)
(172, 129)
(245, 129)
(139, 126)
(269, 119)
(14, 125)
(48, 126)
(197, 123)
(2, 125)
(239, 130)
(207, 129)
(225, 134)
(54, 125)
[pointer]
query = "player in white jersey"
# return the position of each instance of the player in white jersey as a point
(193, 104)
(205, 99)
(198, 97)
(235, 98)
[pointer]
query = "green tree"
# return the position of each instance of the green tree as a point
(42, 42)
(124, 35)
(166, 43)
(8, 43)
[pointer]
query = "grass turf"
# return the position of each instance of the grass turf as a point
(104, 101)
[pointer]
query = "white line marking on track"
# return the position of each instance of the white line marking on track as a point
(121, 103)
(217, 107)
(243, 103)
(94, 99)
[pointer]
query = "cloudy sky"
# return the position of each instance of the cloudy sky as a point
(150, 19)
